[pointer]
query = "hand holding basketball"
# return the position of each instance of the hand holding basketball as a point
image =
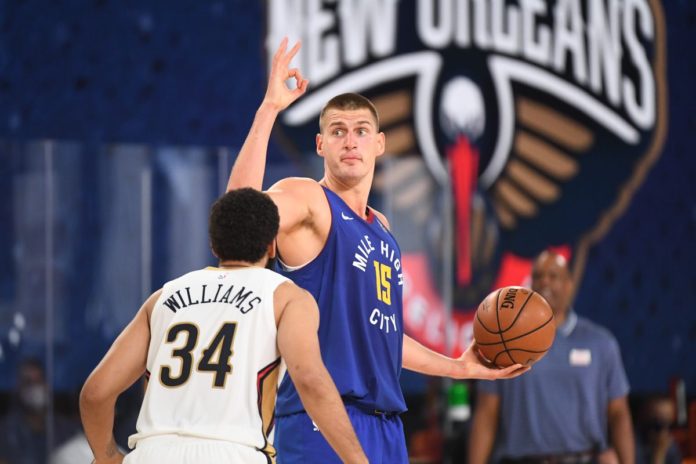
(471, 366)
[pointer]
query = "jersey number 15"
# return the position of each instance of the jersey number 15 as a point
(383, 277)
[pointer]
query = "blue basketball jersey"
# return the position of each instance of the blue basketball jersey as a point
(357, 281)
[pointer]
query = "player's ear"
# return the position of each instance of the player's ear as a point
(272, 247)
(212, 250)
(320, 145)
(381, 143)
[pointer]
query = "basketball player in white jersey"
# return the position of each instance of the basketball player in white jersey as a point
(211, 343)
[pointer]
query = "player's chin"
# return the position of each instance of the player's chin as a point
(353, 170)
(351, 174)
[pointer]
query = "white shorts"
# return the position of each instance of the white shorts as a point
(176, 449)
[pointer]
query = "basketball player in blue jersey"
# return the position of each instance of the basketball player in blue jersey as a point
(334, 245)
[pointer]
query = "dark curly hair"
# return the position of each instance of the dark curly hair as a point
(242, 224)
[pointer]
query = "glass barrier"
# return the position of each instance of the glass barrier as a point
(88, 232)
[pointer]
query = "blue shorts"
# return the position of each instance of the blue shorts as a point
(297, 440)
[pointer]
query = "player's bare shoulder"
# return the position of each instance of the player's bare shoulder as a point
(305, 216)
(296, 186)
(149, 305)
(288, 292)
(300, 191)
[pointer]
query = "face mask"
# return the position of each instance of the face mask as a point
(34, 397)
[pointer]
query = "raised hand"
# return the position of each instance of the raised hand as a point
(278, 94)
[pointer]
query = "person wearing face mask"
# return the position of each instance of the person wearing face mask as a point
(654, 441)
(572, 407)
(24, 430)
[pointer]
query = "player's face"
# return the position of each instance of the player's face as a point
(350, 143)
(550, 277)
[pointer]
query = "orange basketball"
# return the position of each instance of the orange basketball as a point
(514, 325)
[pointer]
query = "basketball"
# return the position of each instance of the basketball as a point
(514, 325)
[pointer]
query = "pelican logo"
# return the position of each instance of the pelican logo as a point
(543, 117)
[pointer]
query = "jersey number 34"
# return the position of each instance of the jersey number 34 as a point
(215, 359)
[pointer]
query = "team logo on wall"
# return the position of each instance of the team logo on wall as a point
(539, 118)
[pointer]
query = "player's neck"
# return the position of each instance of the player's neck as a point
(232, 264)
(355, 196)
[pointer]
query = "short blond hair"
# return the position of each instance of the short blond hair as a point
(348, 102)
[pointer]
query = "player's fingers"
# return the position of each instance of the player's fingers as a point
(282, 47)
(301, 88)
(484, 360)
(300, 82)
(474, 346)
(293, 51)
(479, 354)
(513, 371)
(281, 50)
(297, 74)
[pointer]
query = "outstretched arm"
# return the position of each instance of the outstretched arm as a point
(122, 365)
(469, 365)
(299, 346)
(249, 168)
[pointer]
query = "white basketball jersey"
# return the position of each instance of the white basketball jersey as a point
(213, 361)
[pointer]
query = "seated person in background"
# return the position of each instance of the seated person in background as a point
(654, 441)
(24, 430)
